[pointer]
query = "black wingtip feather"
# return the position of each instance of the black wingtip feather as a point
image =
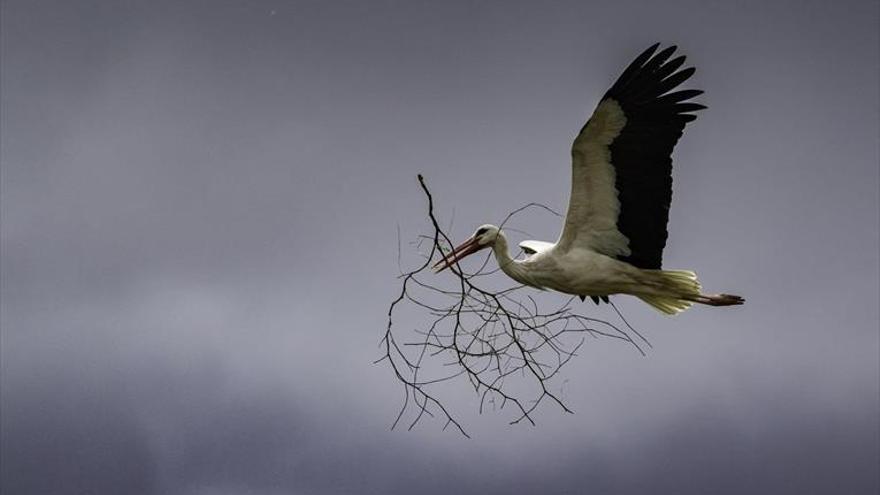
(668, 51)
(634, 67)
(641, 154)
(651, 69)
(673, 81)
(689, 107)
(670, 67)
(683, 95)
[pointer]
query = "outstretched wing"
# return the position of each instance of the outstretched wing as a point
(621, 184)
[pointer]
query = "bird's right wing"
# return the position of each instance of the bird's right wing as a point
(621, 162)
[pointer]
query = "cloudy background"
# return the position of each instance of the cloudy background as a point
(200, 203)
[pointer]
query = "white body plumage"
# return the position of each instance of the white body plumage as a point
(615, 228)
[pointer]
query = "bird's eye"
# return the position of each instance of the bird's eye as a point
(481, 231)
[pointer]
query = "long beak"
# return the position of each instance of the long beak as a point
(466, 248)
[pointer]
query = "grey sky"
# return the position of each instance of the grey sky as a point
(199, 213)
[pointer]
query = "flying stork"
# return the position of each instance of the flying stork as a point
(615, 228)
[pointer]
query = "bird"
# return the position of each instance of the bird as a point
(615, 227)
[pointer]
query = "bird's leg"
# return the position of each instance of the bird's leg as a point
(718, 299)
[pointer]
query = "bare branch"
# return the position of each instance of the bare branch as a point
(501, 342)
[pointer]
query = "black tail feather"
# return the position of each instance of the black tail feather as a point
(596, 299)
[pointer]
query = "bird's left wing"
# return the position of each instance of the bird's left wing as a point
(535, 247)
(621, 162)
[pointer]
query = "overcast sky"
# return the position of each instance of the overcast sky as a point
(200, 204)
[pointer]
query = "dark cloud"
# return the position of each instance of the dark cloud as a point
(189, 434)
(199, 211)
(66, 436)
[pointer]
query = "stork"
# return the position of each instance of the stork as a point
(615, 229)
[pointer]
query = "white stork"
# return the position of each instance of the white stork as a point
(615, 229)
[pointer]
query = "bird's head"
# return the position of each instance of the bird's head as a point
(482, 238)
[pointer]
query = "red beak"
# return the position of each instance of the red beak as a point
(466, 248)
